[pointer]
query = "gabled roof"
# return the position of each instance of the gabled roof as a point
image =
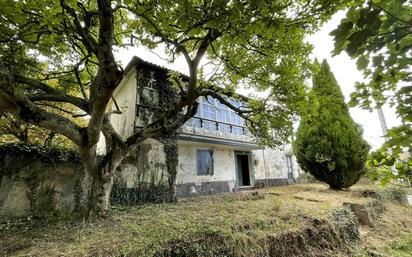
(139, 61)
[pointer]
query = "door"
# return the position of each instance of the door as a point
(243, 170)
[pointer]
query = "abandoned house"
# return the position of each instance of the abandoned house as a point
(215, 151)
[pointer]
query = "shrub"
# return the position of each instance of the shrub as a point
(329, 144)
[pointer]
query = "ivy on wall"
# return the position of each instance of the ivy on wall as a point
(40, 170)
(156, 95)
(44, 153)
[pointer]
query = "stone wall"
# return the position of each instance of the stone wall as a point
(33, 183)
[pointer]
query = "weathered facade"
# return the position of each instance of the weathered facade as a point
(216, 153)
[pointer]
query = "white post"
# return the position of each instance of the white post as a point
(382, 121)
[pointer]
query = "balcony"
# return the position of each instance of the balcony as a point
(214, 125)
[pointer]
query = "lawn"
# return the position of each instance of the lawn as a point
(245, 217)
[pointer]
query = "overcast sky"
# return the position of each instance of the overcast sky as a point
(342, 66)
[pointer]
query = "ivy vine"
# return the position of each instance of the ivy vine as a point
(44, 153)
(151, 109)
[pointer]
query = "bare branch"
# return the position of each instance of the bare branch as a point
(51, 94)
(88, 41)
(79, 81)
(32, 114)
(222, 100)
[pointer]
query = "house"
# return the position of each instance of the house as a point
(216, 153)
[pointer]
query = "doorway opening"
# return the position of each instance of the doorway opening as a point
(243, 170)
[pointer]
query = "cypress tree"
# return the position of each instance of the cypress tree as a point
(329, 144)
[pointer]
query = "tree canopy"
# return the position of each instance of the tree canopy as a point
(378, 34)
(64, 52)
(256, 44)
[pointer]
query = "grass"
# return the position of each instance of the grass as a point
(392, 236)
(245, 217)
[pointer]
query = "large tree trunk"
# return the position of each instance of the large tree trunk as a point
(100, 189)
(172, 160)
(99, 181)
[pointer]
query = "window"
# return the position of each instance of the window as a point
(223, 115)
(213, 115)
(204, 162)
(196, 123)
(208, 108)
(289, 166)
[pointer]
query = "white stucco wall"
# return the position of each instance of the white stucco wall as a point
(272, 163)
(125, 96)
(265, 163)
(126, 100)
(223, 158)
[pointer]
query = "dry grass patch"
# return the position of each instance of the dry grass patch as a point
(241, 218)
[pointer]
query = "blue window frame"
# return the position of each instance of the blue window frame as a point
(223, 115)
(214, 115)
(208, 111)
(204, 162)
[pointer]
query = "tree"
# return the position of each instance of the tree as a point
(15, 130)
(379, 35)
(64, 52)
(329, 144)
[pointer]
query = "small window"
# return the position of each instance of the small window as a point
(289, 166)
(204, 162)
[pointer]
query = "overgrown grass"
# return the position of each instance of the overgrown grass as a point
(241, 219)
(392, 236)
(401, 247)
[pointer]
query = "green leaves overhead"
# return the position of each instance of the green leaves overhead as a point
(68, 46)
(259, 44)
(379, 35)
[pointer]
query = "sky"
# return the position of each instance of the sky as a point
(342, 66)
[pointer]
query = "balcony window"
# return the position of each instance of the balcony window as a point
(224, 128)
(208, 111)
(223, 115)
(213, 115)
(196, 123)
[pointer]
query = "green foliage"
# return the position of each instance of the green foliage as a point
(255, 43)
(44, 153)
(329, 143)
(378, 34)
(143, 192)
(14, 130)
(385, 166)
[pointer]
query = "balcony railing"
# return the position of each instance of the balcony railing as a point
(222, 126)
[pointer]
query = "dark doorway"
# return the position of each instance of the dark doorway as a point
(243, 173)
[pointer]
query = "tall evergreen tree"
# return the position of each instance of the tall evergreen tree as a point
(329, 144)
